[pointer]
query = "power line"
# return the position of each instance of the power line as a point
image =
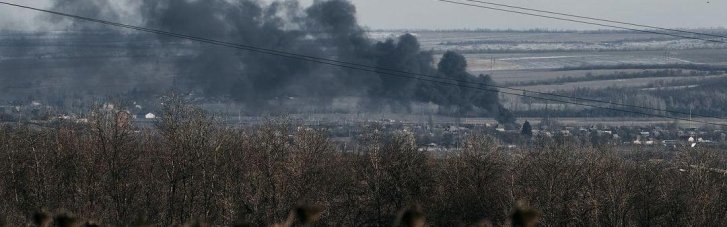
(311, 58)
(581, 21)
(592, 18)
(349, 65)
(597, 19)
(270, 51)
(598, 24)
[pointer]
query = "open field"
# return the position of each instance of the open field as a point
(514, 76)
(483, 62)
(489, 52)
(436, 38)
(540, 40)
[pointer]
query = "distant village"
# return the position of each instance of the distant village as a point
(431, 133)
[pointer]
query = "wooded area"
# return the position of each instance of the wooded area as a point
(191, 168)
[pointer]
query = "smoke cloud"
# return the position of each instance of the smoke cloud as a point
(327, 28)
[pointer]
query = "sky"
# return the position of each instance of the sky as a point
(434, 14)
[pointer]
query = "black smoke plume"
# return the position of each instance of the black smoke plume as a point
(327, 28)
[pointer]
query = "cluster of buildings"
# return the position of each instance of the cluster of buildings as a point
(430, 132)
(440, 136)
(38, 112)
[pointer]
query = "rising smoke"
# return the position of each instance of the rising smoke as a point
(327, 28)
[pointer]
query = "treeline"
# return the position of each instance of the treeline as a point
(501, 41)
(189, 167)
(618, 75)
(706, 97)
(700, 67)
(578, 48)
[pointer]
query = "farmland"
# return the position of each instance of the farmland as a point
(604, 65)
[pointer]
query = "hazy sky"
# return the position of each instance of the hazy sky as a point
(433, 14)
(436, 14)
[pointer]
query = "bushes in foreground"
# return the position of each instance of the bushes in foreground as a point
(190, 168)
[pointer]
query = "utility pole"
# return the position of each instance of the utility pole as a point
(666, 57)
(691, 123)
(492, 63)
